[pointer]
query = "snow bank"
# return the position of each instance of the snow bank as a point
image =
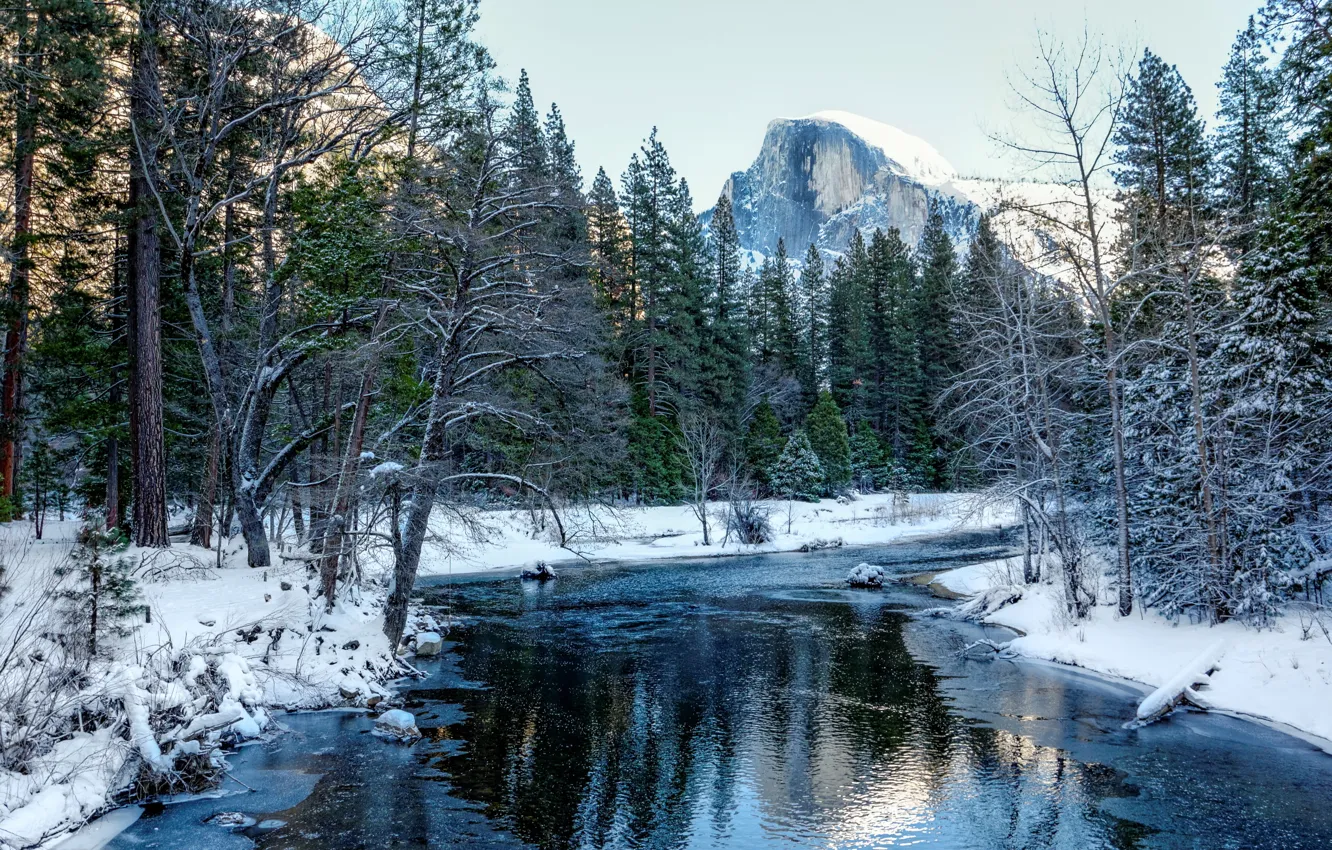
(219, 649)
(1281, 675)
(491, 540)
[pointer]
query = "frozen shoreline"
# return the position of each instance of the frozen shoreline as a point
(1278, 676)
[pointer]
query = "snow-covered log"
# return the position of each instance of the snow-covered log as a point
(1180, 687)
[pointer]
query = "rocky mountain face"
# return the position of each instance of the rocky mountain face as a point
(822, 178)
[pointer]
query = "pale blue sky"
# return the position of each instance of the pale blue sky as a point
(710, 74)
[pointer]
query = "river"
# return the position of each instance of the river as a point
(752, 702)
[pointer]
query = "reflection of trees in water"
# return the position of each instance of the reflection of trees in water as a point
(638, 727)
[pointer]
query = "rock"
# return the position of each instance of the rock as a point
(541, 572)
(231, 820)
(374, 701)
(207, 622)
(352, 644)
(428, 644)
(816, 545)
(397, 724)
(348, 693)
(286, 585)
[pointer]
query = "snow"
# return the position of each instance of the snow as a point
(504, 539)
(1281, 675)
(1159, 701)
(397, 724)
(915, 157)
(866, 575)
(175, 686)
(388, 467)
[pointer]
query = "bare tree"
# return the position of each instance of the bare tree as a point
(300, 92)
(703, 445)
(1073, 97)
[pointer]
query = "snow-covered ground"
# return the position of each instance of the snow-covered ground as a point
(1282, 675)
(218, 650)
(507, 539)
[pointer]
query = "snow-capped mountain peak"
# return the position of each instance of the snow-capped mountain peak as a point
(916, 158)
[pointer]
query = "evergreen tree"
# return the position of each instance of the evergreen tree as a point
(525, 135)
(935, 326)
(560, 152)
(101, 598)
(826, 431)
(1249, 137)
(777, 336)
(848, 333)
(763, 441)
(797, 473)
(897, 390)
(869, 462)
(609, 243)
(726, 352)
(1163, 154)
(813, 329)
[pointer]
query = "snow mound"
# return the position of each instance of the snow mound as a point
(915, 157)
(1180, 687)
(866, 575)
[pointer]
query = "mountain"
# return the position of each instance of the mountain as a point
(821, 178)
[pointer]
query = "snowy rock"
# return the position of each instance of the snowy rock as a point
(429, 643)
(816, 545)
(866, 575)
(541, 572)
(397, 724)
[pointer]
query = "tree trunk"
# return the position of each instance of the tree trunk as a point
(201, 532)
(16, 329)
(337, 539)
(150, 517)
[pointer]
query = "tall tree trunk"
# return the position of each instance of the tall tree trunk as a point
(16, 325)
(149, 474)
(337, 539)
(201, 532)
(118, 306)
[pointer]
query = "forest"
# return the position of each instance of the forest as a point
(307, 273)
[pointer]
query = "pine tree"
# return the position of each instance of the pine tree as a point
(813, 329)
(1163, 154)
(848, 333)
(827, 437)
(726, 353)
(936, 345)
(763, 441)
(560, 152)
(897, 393)
(103, 598)
(1249, 137)
(609, 242)
(797, 473)
(525, 135)
(869, 462)
(778, 339)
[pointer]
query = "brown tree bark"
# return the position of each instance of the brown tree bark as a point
(16, 324)
(150, 517)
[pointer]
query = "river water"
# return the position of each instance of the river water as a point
(753, 702)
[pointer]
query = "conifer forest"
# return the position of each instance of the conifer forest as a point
(315, 302)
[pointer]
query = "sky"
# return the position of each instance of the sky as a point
(711, 74)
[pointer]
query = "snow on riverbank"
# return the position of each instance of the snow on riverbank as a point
(216, 652)
(507, 539)
(1282, 674)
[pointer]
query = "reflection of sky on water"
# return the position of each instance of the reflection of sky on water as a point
(756, 703)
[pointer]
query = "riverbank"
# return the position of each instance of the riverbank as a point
(496, 540)
(205, 652)
(1280, 675)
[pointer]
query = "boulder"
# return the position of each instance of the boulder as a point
(397, 724)
(541, 572)
(428, 644)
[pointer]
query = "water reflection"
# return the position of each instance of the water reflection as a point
(755, 703)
